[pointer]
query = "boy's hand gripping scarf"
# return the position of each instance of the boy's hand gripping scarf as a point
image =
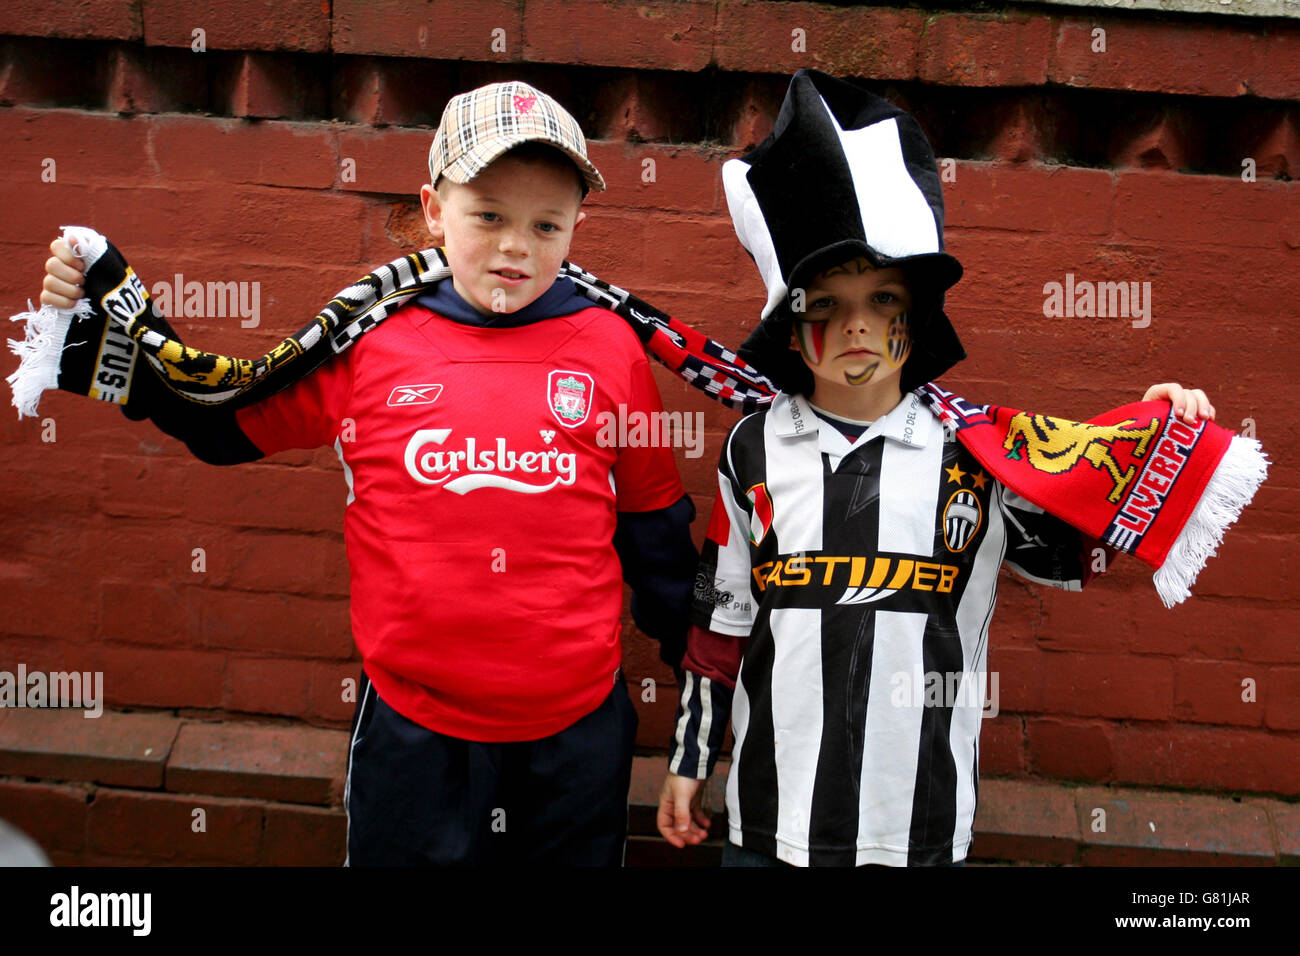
(1136, 478)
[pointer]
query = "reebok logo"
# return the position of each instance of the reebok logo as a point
(415, 395)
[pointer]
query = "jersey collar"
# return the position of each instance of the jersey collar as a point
(909, 423)
(562, 298)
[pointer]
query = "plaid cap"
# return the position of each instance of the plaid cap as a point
(479, 126)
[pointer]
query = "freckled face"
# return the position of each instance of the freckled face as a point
(506, 231)
(854, 328)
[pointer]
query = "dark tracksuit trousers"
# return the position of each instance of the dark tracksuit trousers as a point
(416, 797)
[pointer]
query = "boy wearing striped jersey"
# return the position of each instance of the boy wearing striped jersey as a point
(849, 575)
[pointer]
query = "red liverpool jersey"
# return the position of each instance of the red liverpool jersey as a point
(482, 492)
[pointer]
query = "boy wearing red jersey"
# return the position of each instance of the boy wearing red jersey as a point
(486, 522)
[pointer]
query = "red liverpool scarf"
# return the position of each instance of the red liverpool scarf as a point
(1135, 478)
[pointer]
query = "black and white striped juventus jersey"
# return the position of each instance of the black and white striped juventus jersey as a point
(864, 576)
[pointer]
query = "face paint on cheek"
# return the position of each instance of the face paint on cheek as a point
(858, 378)
(898, 342)
(812, 340)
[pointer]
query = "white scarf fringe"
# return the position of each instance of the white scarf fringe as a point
(40, 352)
(41, 349)
(1239, 474)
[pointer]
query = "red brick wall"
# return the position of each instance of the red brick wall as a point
(225, 165)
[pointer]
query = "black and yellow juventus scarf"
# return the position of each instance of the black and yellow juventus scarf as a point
(1135, 478)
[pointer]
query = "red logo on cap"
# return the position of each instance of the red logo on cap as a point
(524, 103)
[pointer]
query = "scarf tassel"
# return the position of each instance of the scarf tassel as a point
(1237, 477)
(40, 352)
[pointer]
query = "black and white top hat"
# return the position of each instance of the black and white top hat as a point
(844, 173)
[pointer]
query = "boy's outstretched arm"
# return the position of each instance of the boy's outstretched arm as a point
(215, 434)
(211, 433)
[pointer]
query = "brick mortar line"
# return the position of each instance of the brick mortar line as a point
(705, 152)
